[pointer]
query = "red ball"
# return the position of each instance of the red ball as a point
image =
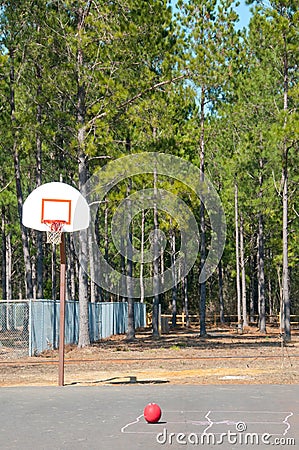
(152, 413)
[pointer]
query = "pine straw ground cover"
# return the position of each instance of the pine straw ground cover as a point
(180, 357)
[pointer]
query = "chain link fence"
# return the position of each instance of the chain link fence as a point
(28, 327)
(14, 329)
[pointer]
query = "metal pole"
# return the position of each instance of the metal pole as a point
(30, 328)
(62, 311)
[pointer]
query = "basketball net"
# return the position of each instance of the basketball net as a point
(55, 231)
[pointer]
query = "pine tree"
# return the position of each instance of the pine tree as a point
(211, 36)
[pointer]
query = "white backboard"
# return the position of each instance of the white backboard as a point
(56, 201)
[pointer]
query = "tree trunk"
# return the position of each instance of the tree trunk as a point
(71, 272)
(156, 301)
(106, 244)
(239, 311)
(8, 267)
(24, 233)
(174, 281)
(202, 286)
(261, 276)
(186, 301)
(162, 269)
(10, 307)
(93, 286)
(142, 257)
(220, 287)
(4, 255)
(271, 302)
(243, 274)
(285, 262)
(99, 292)
(252, 289)
(39, 235)
(261, 258)
(4, 324)
(123, 267)
(69, 268)
(94, 261)
(84, 337)
(131, 316)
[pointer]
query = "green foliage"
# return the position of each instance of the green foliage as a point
(140, 74)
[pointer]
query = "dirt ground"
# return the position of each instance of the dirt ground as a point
(180, 357)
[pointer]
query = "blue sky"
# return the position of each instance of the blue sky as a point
(244, 14)
(243, 11)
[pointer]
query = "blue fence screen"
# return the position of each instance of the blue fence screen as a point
(105, 319)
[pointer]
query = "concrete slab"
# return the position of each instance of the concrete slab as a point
(111, 417)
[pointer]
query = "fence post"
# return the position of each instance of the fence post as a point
(30, 328)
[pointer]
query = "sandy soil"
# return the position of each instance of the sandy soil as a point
(180, 357)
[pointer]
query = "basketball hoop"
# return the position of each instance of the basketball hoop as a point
(55, 231)
(57, 208)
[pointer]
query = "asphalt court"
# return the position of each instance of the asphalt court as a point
(111, 417)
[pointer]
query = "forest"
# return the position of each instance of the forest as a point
(86, 82)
